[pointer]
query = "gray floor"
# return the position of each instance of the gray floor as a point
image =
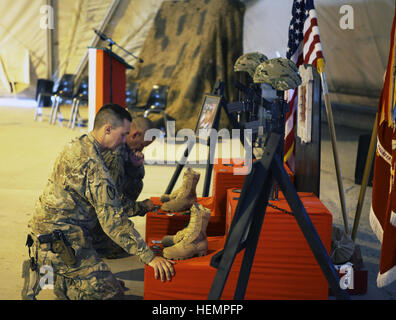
(29, 148)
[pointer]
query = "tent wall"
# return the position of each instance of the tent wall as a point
(189, 47)
(20, 31)
(75, 20)
(355, 58)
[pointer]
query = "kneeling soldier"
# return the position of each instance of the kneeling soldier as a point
(79, 195)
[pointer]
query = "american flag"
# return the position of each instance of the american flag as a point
(303, 48)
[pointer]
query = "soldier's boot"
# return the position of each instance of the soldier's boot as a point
(189, 230)
(166, 197)
(186, 195)
(170, 240)
(194, 242)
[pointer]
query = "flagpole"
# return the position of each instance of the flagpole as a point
(304, 43)
(320, 67)
(366, 174)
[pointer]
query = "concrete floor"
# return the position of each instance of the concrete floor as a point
(29, 149)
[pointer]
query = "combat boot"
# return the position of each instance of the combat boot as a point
(170, 240)
(194, 241)
(190, 230)
(186, 195)
(167, 197)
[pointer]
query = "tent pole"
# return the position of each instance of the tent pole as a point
(50, 42)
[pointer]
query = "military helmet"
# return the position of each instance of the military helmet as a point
(249, 62)
(280, 73)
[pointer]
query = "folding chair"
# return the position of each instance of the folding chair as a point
(81, 96)
(44, 92)
(63, 92)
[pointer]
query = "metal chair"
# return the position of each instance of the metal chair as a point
(81, 96)
(63, 92)
(131, 95)
(44, 92)
(157, 100)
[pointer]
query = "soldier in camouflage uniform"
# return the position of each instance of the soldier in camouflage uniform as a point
(81, 193)
(126, 163)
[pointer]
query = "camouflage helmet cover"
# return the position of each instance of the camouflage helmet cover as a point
(249, 62)
(280, 73)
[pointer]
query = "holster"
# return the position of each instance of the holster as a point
(30, 274)
(59, 245)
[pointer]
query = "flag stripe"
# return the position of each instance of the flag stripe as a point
(313, 53)
(289, 119)
(309, 28)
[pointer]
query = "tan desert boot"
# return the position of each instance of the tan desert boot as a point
(167, 197)
(170, 240)
(194, 241)
(186, 194)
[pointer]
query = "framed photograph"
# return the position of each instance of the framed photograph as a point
(207, 116)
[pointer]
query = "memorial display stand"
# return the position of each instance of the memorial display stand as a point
(248, 219)
(267, 176)
(218, 91)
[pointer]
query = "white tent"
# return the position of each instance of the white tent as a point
(356, 58)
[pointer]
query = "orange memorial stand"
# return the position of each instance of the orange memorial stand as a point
(284, 266)
(224, 178)
(161, 223)
(107, 80)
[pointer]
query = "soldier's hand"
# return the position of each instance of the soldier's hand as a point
(136, 157)
(139, 155)
(163, 268)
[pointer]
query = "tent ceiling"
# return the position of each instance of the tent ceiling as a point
(356, 59)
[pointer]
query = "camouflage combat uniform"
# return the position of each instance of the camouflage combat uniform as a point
(79, 196)
(128, 179)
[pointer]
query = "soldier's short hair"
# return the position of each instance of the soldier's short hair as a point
(111, 113)
(141, 123)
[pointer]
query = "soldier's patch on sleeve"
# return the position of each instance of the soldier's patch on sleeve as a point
(111, 192)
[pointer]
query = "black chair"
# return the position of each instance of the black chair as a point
(44, 92)
(131, 95)
(156, 102)
(81, 96)
(63, 92)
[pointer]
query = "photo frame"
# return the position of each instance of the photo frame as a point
(209, 109)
